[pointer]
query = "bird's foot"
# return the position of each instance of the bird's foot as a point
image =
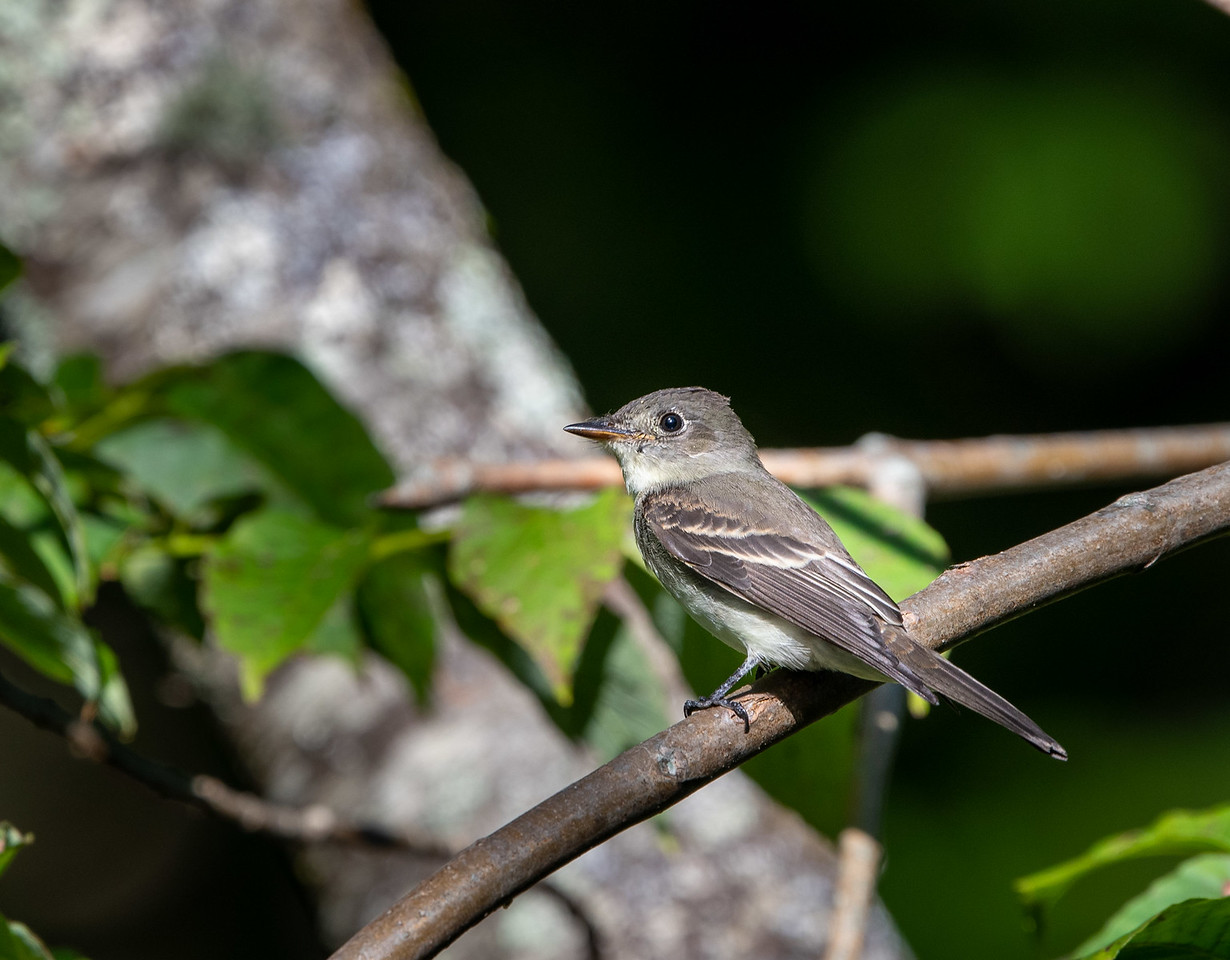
(734, 706)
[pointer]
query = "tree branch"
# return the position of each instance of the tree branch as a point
(315, 823)
(311, 824)
(948, 467)
(1130, 534)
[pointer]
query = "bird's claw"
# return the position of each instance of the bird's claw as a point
(734, 706)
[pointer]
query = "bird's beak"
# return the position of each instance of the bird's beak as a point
(600, 428)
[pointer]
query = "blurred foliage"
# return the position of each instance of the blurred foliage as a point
(1148, 917)
(1079, 208)
(1076, 164)
(234, 492)
(17, 941)
(1191, 929)
(10, 267)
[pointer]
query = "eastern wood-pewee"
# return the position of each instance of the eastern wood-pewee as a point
(757, 567)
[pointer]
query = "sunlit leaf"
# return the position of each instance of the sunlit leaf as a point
(186, 465)
(1177, 832)
(540, 572)
(18, 942)
(61, 647)
(1192, 930)
(573, 718)
(114, 704)
(338, 632)
(56, 644)
(269, 584)
(275, 410)
(29, 455)
(159, 583)
(1202, 877)
(22, 562)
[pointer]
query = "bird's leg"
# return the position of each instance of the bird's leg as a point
(718, 697)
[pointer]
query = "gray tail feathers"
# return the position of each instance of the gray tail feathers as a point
(935, 673)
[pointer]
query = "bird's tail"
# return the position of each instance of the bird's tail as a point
(954, 683)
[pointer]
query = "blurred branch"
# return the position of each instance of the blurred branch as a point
(1130, 534)
(860, 866)
(312, 824)
(898, 481)
(1222, 5)
(948, 467)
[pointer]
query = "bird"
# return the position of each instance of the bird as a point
(759, 568)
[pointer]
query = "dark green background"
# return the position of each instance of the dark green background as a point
(934, 220)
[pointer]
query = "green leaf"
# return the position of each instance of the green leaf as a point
(61, 647)
(28, 453)
(22, 397)
(1200, 877)
(17, 942)
(574, 719)
(79, 378)
(56, 644)
(269, 584)
(338, 633)
(10, 267)
(1192, 930)
(160, 584)
(1176, 832)
(21, 561)
(273, 408)
(900, 552)
(540, 573)
(103, 535)
(186, 466)
(114, 704)
(396, 611)
(11, 840)
(628, 700)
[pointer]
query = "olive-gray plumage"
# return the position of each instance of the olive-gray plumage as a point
(756, 566)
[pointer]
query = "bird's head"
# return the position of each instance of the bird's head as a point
(673, 436)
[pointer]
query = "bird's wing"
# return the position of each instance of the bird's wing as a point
(809, 584)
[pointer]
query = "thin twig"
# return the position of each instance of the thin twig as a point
(948, 467)
(1130, 534)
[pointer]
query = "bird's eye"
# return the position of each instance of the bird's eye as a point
(671, 422)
